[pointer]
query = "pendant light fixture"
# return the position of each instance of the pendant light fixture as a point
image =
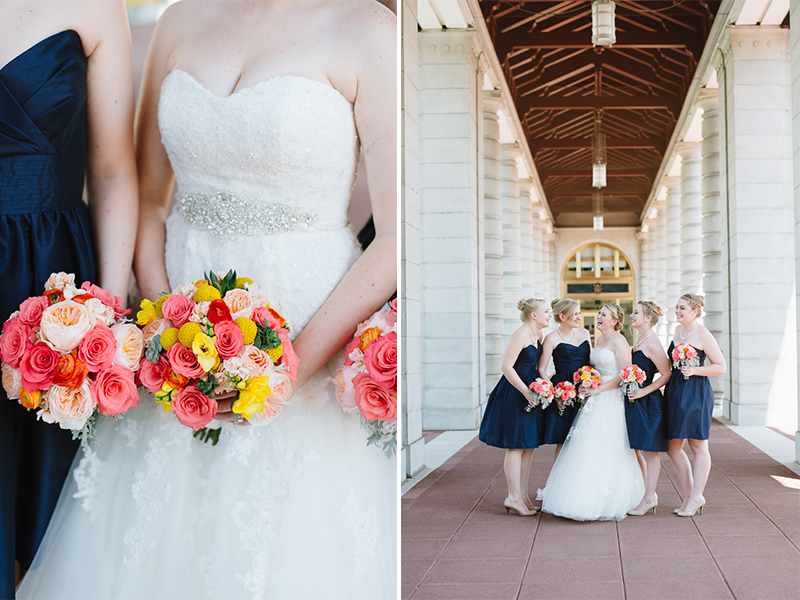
(604, 32)
(598, 154)
(597, 210)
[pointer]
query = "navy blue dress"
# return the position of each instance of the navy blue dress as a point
(567, 359)
(44, 228)
(505, 423)
(690, 403)
(646, 417)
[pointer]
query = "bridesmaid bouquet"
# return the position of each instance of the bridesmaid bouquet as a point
(564, 396)
(70, 351)
(542, 393)
(632, 379)
(368, 378)
(216, 335)
(586, 377)
(684, 355)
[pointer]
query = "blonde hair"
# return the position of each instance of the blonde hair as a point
(616, 313)
(651, 309)
(564, 306)
(527, 306)
(695, 301)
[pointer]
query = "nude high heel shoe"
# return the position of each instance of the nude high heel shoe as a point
(652, 504)
(690, 513)
(523, 512)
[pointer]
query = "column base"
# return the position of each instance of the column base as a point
(412, 458)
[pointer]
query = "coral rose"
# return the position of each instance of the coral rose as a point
(177, 309)
(64, 325)
(70, 371)
(153, 375)
(12, 381)
(228, 339)
(218, 311)
(375, 402)
(288, 359)
(98, 348)
(193, 408)
(130, 345)
(106, 297)
(69, 408)
(184, 361)
(114, 390)
(30, 311)
(38, 367)
(15, 341)
(380, 358)
(239, 303)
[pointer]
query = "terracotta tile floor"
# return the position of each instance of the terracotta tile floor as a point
(458, 542)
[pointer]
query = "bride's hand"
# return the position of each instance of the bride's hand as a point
(225, 412)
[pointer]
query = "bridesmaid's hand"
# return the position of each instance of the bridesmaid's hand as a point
(635, 395)
(688, 371)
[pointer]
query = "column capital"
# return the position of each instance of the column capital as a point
(708, 99)
(446, 45)
(492, 101)
(510, 151)
(689, 150)
(673, 183)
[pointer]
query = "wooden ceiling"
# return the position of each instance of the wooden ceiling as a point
(560, 84)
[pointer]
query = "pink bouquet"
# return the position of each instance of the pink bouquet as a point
(684, 355)
(216, 335)
(632, 379)
(542, 394)
(368, 378)
(564, 395)
(585, 378)
(69, 352)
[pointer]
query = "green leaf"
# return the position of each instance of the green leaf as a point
(266, 338)
(207, 387)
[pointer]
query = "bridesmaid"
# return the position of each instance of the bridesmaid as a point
(569, 347)
(690, 403)
(505, 423)
(645, 415)
(66, 117)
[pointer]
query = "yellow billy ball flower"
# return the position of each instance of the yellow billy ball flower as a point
(147, 314)
(241, 281)
(206, 294)
(203, 347)
(248, 328)
(275, 353)
(169, 337)
(188, 332)
(160, 303)
(251, 399)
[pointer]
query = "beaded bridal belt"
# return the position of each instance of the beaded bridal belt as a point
(229, 216)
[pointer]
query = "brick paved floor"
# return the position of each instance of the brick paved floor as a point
(458, 542)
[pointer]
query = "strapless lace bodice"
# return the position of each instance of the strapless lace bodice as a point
(605, 361)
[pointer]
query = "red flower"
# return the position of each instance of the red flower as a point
(218, 311)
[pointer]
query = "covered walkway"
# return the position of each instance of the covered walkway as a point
(459, 543)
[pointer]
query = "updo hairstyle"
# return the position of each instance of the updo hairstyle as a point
(526, 308)
(566, 306)
(651, 309)
(695, 301)
(616, 313)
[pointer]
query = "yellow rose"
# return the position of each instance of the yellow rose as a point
(203, 347)
(148, 313)
(251, 399)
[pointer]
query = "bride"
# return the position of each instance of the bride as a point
(596, 477)
(268, 103)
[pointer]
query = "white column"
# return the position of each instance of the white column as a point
(451, 201)
(526, 238)
(540, 286)
(673, 251)
(412, 454)
(642, 274)
(794, 22)
(760, 231)
(660, 297)
(493, 237)
(553, 271)
(716, 307)
(512, 276)
(691, 217)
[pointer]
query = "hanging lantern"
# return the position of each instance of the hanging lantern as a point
(598, 155)
(597, 210)
(598, 175)
(603, 30)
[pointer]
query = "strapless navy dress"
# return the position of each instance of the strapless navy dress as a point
(690, 403)
(505, 423)
(567, 359)
(44, 228)
(646, 417)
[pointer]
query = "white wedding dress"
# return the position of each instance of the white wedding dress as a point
(299, 508)
(596, 477)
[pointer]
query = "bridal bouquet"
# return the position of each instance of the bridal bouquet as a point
(216, 335)
(684, 355)
(585, 378)
(70, 351)
(542, 394)
(368, 378)
(632, 379)
(564, 396)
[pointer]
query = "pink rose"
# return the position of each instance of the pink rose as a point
(64, 324)
(380, 358)
(114, 390)
(30, 311)
(184, 361)
(15, 341)
(38, 367)
(289, 359)
(281, 388)
(69, 408)
(98, 348)
(130, 345)
(193, 408)
(153, 375)
(239, 303)
(106, 297)
(12, 381)
(375, 402)
(155, 327)
(178, 309)
(229, 339)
